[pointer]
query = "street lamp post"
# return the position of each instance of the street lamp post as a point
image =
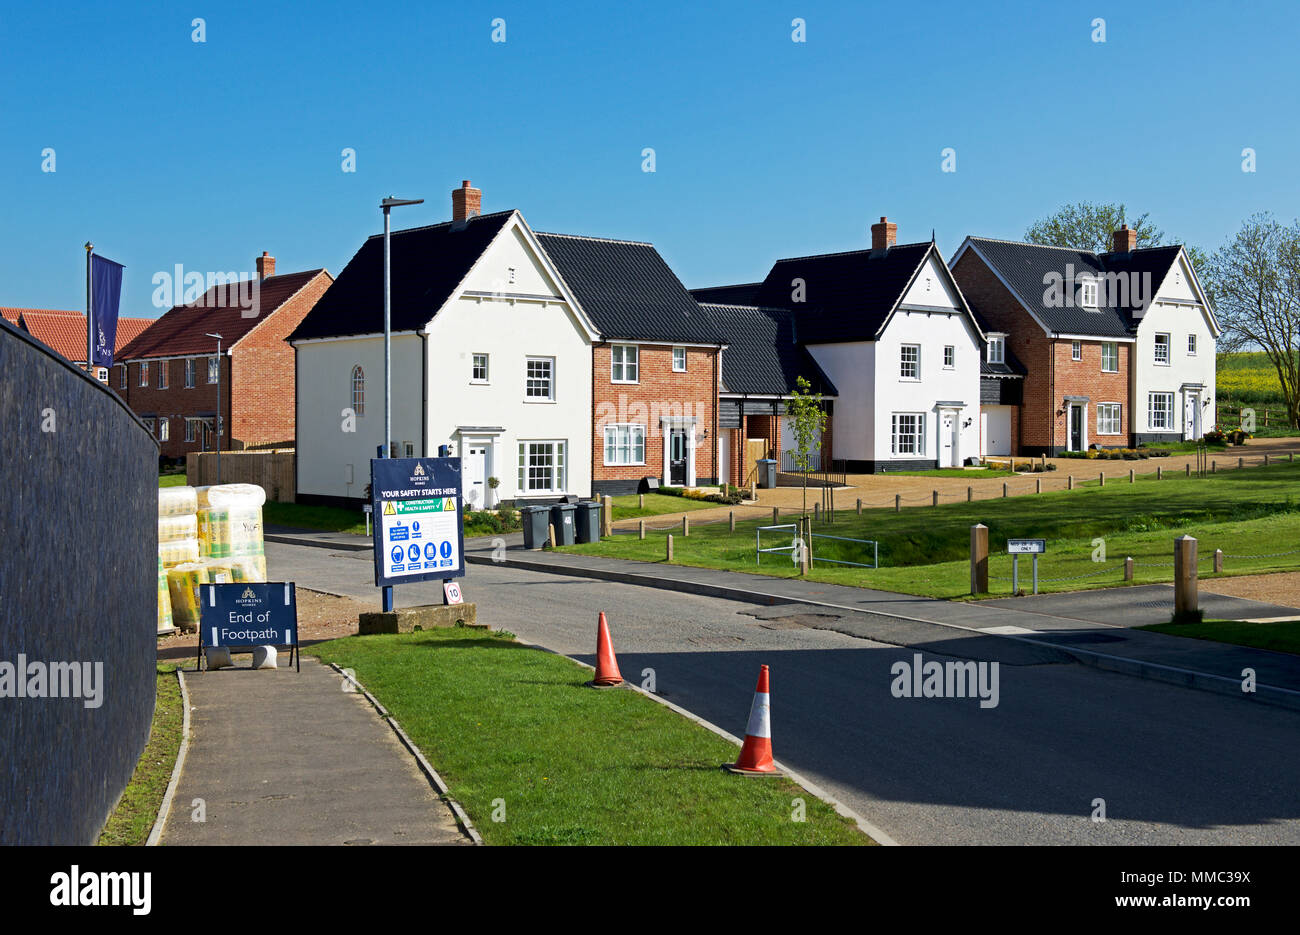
(387, 205)
(217, 420)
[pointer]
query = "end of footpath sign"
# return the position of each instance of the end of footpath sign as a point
(248, 614)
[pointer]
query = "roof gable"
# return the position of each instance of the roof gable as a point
(65, 332)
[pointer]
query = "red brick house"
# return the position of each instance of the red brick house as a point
(169, 374)
(656, 367)
(65, 332)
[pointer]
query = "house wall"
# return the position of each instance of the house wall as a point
(851, 367)
(659, 392)
(334, 452)
(262, 372)
(178, 401)
(1177, 320)
(1085, 378)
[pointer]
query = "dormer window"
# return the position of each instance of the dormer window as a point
(1088, 293)
(997, 352)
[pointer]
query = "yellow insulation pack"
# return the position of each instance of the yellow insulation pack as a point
(230, 521)
(183, 586)
(177, 501)
(164, 600)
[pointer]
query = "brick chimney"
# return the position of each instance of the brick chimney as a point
(265, 266)
(466, 202)
(1125, 240)
(883, 235)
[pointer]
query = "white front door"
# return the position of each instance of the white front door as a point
(474, 477)
(1191, 416)
(948, 448)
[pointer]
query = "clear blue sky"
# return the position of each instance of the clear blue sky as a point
(170, 151)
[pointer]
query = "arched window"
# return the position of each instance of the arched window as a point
(358, 390)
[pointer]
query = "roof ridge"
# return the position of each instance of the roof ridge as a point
(1025, 243)
(760, 308)
(818, 256)
(425, 227)
(638, 243)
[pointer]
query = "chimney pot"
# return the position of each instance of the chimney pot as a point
(1124, 240)
(466, 202)
(265, 266)
(883, 235)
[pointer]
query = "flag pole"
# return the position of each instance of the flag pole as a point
(90, 316)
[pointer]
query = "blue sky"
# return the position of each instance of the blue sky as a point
(205, 154)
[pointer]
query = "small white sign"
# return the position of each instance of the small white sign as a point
(452, 590)
(1026, 546)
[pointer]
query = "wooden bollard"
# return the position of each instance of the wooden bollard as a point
(979, 559)
(550, 535)
(1069, 482)
(1265, 460)
(1188, 465)
(934, 499)
(1290, 456)
(640, 500)
(1132, 476)
(1004, 490)
(607, 517)
(1038, 485)
(1101, 479)
(817, 512)
(898, 503)
(970, 494)
(1185, 602)
(1128, 568)
(1218, 561)
(1214, 467)
(1241, 462)
(640, 529)
(731, 520)
(1160, 472)
(686, 526)
(669, 552)
(859, 506)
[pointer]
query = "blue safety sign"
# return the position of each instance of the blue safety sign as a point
(419, 529)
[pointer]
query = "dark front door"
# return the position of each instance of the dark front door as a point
(1076, 428)
(677, 458)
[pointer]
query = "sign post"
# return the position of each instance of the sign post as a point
(1019, 547)
(244, 615)
(419, 529)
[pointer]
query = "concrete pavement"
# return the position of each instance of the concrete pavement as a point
(290, 758)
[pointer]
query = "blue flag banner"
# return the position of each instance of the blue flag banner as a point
(105, 297)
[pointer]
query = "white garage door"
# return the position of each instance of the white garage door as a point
(995, 430)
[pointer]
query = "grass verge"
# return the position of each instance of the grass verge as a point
(1279, 637)
(925, 550)
(656, 504)
(137, 810)
(513, 731)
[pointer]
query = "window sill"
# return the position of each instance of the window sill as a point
(625, 382)
(625, 464)
(539, 402)
(480, 382)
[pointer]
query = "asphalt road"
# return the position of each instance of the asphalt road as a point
(1173, 765)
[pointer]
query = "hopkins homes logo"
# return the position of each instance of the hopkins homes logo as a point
(38, 679)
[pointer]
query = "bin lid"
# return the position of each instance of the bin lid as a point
(564, 506)
(767, 460)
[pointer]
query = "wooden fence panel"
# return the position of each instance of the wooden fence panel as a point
(273, 471)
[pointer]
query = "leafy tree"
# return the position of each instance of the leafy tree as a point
(807, 420)
(1088, 226)
(1256, 280)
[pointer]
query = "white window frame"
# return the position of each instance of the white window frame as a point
(1191, 345)
(682, 352)
(214, 369)
(997, 350)
(164, 429)
(486, 368)
(101, 374)
(626, 442)
(144, 373)
(191, 372)
(558, 465)
(121, 380)
(622, 359)
(529, 396)
(1109, 418)
(1157, 344)
(1113, 348)
(358, 390)
(1076, 350)
(189, 429)
(1088, 293)
(949, 357)
(162, 374)
(913, 440)
(1168, 423)
(914, 363)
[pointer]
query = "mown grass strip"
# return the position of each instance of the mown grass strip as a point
(132, 820)
(516, 735)
(657, 504)
(1279, 637)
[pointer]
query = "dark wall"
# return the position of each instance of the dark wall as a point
(78, 583)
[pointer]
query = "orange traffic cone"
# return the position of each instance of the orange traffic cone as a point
(756, 753)
(607, 674)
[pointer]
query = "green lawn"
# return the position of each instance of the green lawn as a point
(512, 727)
(925, 550)
(172, 480)
(656, 504)
(137, 810)
(1280, 637)
(332, 519)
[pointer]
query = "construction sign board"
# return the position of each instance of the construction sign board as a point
(419, 528)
